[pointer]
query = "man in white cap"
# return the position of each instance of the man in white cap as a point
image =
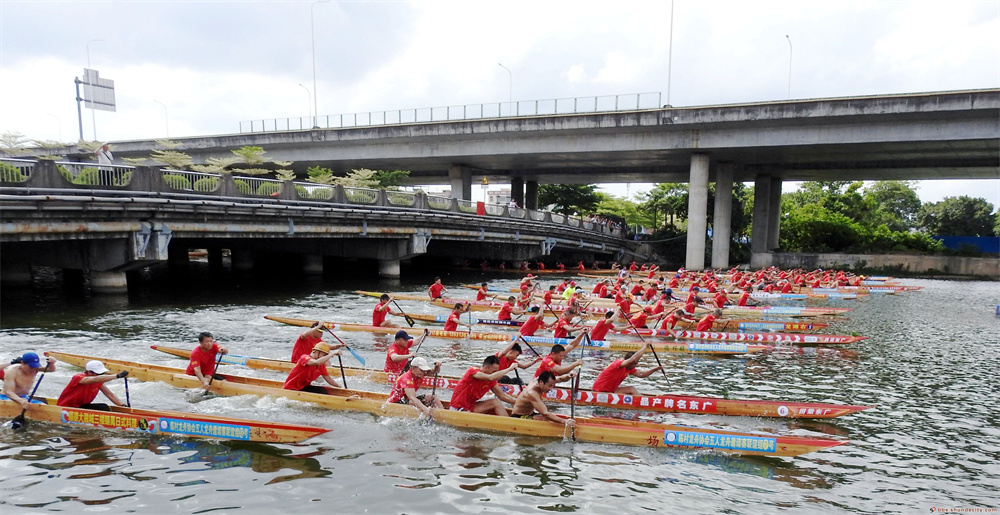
(82, 388)
(19, 376)
(404, 390)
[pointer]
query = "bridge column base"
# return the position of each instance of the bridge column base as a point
(697, 213)
(312, 264)
(108, 282)
(388, 268)
(242, 260)
(15, 274)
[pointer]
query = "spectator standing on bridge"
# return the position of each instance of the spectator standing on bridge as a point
(512, 205)
(104, 155)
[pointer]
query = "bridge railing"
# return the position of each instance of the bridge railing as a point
(16, 170)
(493, 110)
(66, 177)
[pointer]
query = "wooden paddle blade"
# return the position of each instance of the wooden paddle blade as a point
(19, 422)
(409, 320)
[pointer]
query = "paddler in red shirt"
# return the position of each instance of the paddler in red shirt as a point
(379, 313)
(547, 299)
(639, 320)
(399, 352)
(553, 361)
(404, 390)
(526, 283)
(202, 362)
(482, 292)
(306, 340)
(437, 289)
(534, 322)
(612, 376)
(564, 326)
(509, 308)
(672, 319)
(721, 299)
(508, 356)
(455, 316)
(476, 382)
(580, 267)
(705, 324)
(601, 328)
(311, 367)
(82, 388)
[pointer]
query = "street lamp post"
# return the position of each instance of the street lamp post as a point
(670, 50)
(510, 90)
(93, 119)
(308, 98)
(166, 115)
(789, 66)
(312, 32)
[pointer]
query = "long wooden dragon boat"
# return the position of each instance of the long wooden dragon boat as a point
(720, 348)
(589, 429)
(739, 325)
(488, 305)
(585, 397)
(148, 422)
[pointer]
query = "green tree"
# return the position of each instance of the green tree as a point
(957, 216)
(391, 178)
(620, 206)
(569, 199)
(896, 203)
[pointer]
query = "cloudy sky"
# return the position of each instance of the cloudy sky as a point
(216, 63)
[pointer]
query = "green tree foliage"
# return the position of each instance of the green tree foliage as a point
(569, 199)
(896, 204)
(630, 210)
(172, 158)
(958, 216)
(391, 178)
(12, 143)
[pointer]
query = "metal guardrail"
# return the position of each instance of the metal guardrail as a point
(152, 182)
(91, 174)
(16, 170)
(516, 109)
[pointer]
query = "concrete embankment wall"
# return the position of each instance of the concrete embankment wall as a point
(902, 263)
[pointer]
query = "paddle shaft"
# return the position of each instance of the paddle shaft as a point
(406, 317)
(19, 421)
(214, 370)
(128, 402)
(346, 346)
(343, 377)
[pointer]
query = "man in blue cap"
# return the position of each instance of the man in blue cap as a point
(19, 376)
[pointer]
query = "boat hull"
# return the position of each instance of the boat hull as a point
(590, 429)
(655, 403)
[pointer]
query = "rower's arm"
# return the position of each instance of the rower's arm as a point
(543, 410)
(495, 376)
(329, 380)
(575, 343)
(502, 395)
(109, 394)
(411, 394)
(8, 390)
(646, 373)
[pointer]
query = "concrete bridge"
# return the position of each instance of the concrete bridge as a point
(126, 218)
(942, 135)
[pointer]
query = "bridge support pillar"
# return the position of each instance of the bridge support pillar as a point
(15, 274)
(388, 268)
(722, 223)
(461, 182)
(215, 259)
(697, 212)
(531, 195)
(177, 256)
(761, 214)
(774, 211)
(517, 190)
(108, 282)
(242, 260)
(312, 264)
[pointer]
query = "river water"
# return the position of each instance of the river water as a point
(932, 442)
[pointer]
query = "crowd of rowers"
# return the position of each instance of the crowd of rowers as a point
(310, 353)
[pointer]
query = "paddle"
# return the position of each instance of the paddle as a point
(342, 376)
(406, 317)
(19, 422)
(521, 337)
(421, 342)
(210, 379)
(355, 354)
(128, 403)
